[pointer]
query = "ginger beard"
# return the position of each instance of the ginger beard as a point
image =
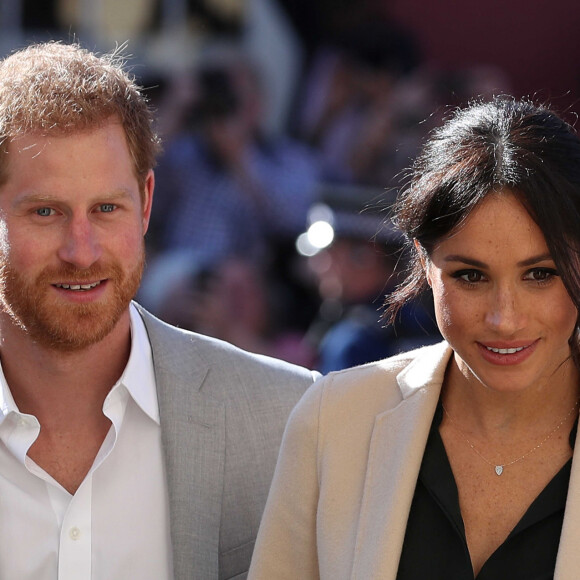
(67, 327)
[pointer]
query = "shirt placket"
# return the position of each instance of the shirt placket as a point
(74, 558)
(75, 554)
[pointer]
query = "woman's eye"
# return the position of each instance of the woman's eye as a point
(541, 274)
(44, 211)
(469, 276)
(107, 207)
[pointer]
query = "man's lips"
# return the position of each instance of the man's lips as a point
(78, 286)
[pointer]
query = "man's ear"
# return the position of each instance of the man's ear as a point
(148, 199)
(424, 260)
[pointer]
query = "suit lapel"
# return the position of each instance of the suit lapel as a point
(396, 452)
(193, 435)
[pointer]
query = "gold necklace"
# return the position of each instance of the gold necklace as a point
(498, 468)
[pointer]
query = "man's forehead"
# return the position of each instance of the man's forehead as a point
(26, 142)
(34, 141)
(84, 126)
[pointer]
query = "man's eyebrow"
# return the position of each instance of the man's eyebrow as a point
(479, 264)
(34, 197)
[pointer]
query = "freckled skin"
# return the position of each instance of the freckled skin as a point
(494, 284)
(504, 310)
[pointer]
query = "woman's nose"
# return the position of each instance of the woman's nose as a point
(505, 312)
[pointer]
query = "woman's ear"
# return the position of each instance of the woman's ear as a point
(424, 260)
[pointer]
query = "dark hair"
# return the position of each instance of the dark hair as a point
(503, 143)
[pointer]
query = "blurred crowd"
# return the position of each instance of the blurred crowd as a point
(278, 240)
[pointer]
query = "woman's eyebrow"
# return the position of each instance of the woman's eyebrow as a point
(535, 259)
(478, 264)
(464, 260)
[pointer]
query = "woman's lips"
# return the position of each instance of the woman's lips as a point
(507, 354)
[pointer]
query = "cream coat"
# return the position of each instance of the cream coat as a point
(347, 470)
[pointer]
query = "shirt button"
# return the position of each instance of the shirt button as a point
(74, 534)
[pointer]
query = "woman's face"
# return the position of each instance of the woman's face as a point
(499, 300)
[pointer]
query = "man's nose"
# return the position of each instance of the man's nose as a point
(80, 245)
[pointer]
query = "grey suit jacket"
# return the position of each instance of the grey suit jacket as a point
(223, 413)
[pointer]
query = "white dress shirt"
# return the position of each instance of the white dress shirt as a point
(116, 525)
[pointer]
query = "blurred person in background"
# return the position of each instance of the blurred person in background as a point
(355, 267)
(235, 300)
(226, 189)
(352, 106)
(368, 99)
(229, 194)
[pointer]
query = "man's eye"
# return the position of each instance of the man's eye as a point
(107, 207)
(44, 211)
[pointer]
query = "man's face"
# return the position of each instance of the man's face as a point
(72, 221)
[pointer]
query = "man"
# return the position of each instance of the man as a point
(128, 448)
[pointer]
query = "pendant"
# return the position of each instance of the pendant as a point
(499, 469)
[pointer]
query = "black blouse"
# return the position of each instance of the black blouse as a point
(435, 547)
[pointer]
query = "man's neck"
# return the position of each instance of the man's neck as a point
(45, 382)
(65, 392)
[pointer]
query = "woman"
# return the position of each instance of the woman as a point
(455, 461)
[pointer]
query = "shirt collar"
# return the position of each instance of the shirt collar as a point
(7, 404)
(138, 377)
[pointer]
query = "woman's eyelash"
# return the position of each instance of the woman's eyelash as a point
(539, 275)
(546, 274)
(468, 276)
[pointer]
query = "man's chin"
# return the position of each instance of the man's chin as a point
(71, 337)
(72, 328)
(68, 325)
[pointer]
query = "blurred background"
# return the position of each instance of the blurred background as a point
(287, 128)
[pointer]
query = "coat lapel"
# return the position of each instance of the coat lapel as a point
(568, 561)
(193, 435)
(396, 451)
